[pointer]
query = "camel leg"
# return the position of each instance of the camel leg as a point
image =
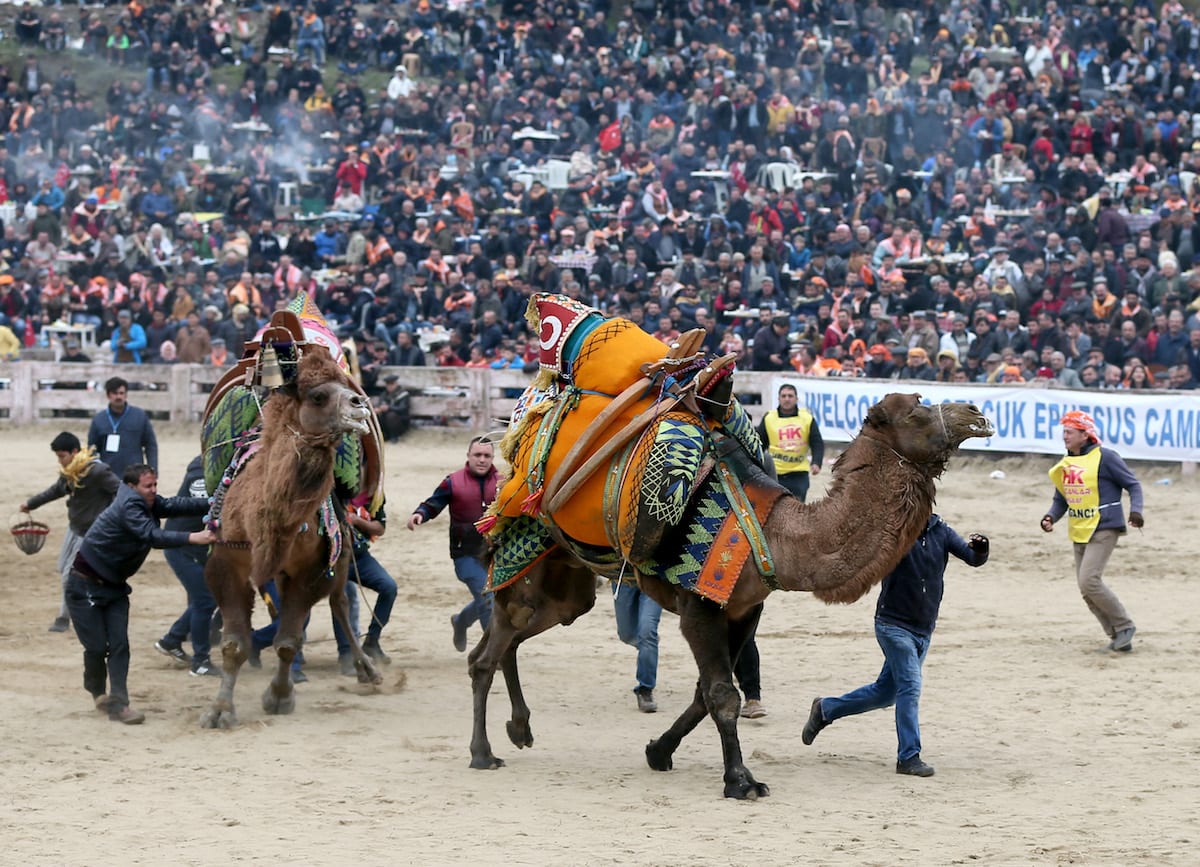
(711, 637)
(340, 606)
(297, 598)
(235, 599)
(481, 666)
(660, 750)
(519, 612)
(517, 727)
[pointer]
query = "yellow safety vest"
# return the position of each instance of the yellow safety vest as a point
(787, 441)
(1077, 478)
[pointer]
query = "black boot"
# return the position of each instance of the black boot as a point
(914, 767)
(816, 722)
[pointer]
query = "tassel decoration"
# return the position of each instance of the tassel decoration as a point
(532, 504)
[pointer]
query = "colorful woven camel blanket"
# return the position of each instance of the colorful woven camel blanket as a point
(235, 406)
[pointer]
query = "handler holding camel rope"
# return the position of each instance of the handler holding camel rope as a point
(98, 589)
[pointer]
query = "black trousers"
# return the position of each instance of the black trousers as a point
(796, 483)
(746, 670)
(100, 615)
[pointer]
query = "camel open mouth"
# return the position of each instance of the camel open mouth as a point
(966, 422)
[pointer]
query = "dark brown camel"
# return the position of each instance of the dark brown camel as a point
(273, 504)
(836, 548)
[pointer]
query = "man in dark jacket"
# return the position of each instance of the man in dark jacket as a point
(467, 492)
(98, 589)
(89, 486)
(905, 617)
(771, 345)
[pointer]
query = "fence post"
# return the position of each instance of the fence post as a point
(181, 394)
(23, 396)
(481, 382)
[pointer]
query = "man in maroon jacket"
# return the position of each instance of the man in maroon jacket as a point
(468, 493)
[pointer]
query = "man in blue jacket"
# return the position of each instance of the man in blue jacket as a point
(905, 617)
(98, 588)
(122, 434)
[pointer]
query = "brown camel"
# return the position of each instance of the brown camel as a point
(836, 548)
(270, 529)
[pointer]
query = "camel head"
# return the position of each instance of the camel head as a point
(924, 435)
(327, 406)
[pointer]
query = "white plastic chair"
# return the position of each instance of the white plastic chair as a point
(777, 176)
(287, 195)
(556, 174)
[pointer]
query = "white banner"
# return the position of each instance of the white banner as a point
(1152, 427)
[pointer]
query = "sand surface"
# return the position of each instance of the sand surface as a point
(1048, 750)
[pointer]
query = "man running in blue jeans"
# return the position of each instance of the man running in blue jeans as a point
(905, 617)
(637, 626)
(468, 493)
(366, 571)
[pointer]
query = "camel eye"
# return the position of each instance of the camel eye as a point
(319, 398)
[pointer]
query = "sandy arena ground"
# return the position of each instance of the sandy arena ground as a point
(1048, 750)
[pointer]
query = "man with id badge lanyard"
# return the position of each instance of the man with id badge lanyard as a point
(121, 434)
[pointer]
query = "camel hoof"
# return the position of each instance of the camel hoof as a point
(520, 734)
(278, 704)
(217, 719)
(747, 790)
(486, 763)
(367, 673)
(657, 758)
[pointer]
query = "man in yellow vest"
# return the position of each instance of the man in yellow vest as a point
(1088, 483)
(790, 433)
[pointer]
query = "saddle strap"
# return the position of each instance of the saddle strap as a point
(749, 508)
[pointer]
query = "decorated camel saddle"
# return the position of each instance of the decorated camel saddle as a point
(233, 415)
(620, 443)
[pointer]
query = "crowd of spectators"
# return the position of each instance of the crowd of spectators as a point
(947, 191)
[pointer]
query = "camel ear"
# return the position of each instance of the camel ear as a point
(877, 416)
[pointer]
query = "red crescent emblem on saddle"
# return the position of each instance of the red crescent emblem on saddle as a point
(558, 316)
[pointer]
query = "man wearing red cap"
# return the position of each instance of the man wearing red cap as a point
(1088, 483)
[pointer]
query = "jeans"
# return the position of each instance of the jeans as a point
(200, 607)
(899, 683)
(265, 637)
(371, 575)
(315, 46)
(637, 626)
(471, 572)
(100, 613)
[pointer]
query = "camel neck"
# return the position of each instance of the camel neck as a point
(841, 546)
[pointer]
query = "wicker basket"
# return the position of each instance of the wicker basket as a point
(30, 535)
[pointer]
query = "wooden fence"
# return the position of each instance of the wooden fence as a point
(42, 391)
